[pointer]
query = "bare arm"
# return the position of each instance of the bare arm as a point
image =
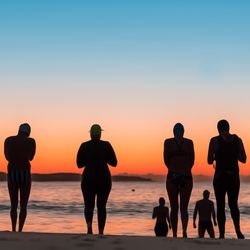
(211, 152)
(80, 159)
(242, 153)
(112, 161)
(33, 149)
(6, 151)
(154, 214)
(195, 215)
(191, 155)
(165, 154)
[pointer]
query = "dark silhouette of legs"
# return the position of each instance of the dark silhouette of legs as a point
(210, 230)
(220, 193)
(233, 194)
(185, 193)
(174, 204)
(102, 198)
(13, 193)
(89, 202)
(201, 229)
(24, 198)
(161, 229)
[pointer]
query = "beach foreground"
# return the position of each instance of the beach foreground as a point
(30, 241)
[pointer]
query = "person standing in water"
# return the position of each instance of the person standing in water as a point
(179, 159)
(205, 209)
(94, 156)
(161, 213)
(226, 150)
(19, 150)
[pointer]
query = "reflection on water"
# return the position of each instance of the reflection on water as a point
(58, 207)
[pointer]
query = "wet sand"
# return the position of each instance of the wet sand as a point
(52, 241)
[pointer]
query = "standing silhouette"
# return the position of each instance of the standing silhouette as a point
(205, 209)
(19, 150)
(94, 156)
(179, 159)
(161, 213)
(226, 150)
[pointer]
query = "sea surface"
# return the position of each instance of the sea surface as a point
(58, 207)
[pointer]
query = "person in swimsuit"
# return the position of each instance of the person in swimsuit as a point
(19, 150)
(94, 156)
(161, 213)
(205, 209)
(226, 150)
(179, 159)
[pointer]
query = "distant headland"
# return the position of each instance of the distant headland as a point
(125, 177)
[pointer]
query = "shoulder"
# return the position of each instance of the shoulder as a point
(9, 139)
(31, 140)
(169, 141)
(188, 141)
(214, 139)
(198, 202)
(211, 202)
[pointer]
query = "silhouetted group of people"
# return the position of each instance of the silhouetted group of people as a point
(225, 150)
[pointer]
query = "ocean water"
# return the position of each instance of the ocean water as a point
(58, 207)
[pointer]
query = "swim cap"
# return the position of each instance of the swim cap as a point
(25, 128)
(95, 129)
(178, 129)
(223, 126)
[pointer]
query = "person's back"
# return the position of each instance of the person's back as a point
(19, 151)
(161, 213)
(205, 209)
(226, 150)
(94, 156)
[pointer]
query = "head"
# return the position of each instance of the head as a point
(223, 127)
(24, 129)
(178, 130)
(161, 201)
(95, 131)
(206, 194)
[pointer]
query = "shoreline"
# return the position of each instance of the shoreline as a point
(53, 241)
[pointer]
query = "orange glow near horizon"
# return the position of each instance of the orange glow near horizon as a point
(143, 156)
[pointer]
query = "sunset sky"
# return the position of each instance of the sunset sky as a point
(135, 67)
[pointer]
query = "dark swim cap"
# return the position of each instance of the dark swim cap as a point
(206, 193)
(178, 129)
(162, 201)
(25, 128)
(223, 126)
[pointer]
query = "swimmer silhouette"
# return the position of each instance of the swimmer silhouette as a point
(94, 156)
(161, 213)
(19, 150)
(226, 150)
(179, 159)
(205, 209)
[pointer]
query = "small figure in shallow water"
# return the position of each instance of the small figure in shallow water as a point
(19, 150)
(205, 209)
(161, 213)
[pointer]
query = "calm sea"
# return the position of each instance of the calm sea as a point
(58, 207)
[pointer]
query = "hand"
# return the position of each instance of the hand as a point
(194, 225)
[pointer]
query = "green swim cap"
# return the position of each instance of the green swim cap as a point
(95, 129)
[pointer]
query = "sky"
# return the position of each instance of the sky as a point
(134, 67)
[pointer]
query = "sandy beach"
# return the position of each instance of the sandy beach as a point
(53, 241)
